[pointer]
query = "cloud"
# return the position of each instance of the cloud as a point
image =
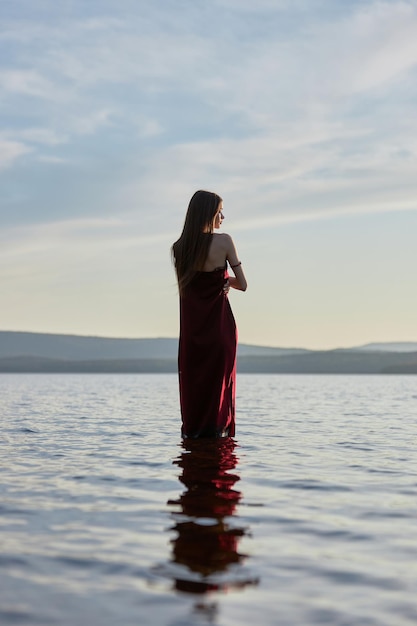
(328, 64)
(281, 120)
(347, 210)
(299, 171)
(75, 237)
(261, 79)
(26, 83)
(42, 136)
(89, 124)
(10, 151)
(386, 44)
(52, 159)
(362, 55)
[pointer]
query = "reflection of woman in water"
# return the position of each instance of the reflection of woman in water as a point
(207, 547)
(207, 347)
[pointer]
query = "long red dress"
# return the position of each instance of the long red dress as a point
(207, 357)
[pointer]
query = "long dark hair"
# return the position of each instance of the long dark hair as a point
(190, 251)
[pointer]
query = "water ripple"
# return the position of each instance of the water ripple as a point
(308, 517)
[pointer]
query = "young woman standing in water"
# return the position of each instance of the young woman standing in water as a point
(208, 335)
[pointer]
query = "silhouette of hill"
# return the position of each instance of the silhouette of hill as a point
(41, 352)
(391, 346)
(90, 348)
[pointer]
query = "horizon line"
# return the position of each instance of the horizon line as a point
(258, 345)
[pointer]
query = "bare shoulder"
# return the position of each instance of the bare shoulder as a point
(223, 240)
(221, 236)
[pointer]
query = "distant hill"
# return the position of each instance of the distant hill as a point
(327, 362)
(80, 348)
(404, 368)
(333, 362)
(394, 346)
(38, 352)
(34, 364)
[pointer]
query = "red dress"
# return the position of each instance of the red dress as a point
(207, 357)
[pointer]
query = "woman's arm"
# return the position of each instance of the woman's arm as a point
(235, 284)
(238, 281)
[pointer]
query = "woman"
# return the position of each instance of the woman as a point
(208, 337)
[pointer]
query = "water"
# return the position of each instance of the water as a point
(307, 517)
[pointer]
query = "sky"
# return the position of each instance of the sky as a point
(300, 114)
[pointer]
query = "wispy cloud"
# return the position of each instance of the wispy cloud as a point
(42, 136)
(75, 239)
(310, 111)
(25, 82)
(90, 123)
(10, 151)
(53, 160)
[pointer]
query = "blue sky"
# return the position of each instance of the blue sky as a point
(301, 115)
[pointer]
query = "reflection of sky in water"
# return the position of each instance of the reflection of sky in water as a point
(325, 506)
(207, 530)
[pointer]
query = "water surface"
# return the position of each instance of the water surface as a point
(306, 517)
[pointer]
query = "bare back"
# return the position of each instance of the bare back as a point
(223, 249)
(218, 252)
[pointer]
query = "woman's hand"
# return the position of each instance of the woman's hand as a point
(238, 282)
(226, 287)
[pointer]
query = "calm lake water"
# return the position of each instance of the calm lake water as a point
(307, 517)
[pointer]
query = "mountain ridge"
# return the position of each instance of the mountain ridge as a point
(22, 343)
(25, 352)
(26, 343)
